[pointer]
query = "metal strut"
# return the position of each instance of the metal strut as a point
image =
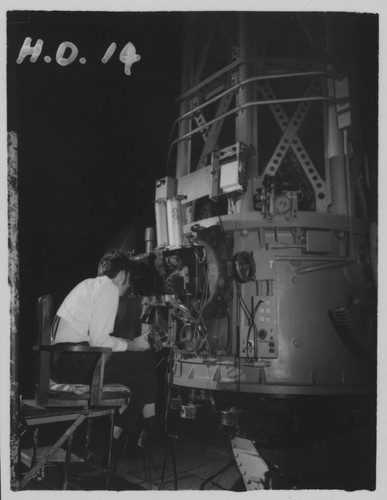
(251, 465)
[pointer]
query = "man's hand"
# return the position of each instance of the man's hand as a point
(139, 344)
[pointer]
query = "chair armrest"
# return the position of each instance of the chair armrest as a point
(72, 348)
(96, 389)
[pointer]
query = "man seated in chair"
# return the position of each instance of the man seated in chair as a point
(87, 316)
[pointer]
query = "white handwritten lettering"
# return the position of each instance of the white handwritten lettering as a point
(28, 50)
(128, 56)
(65, 61)
(110, 51)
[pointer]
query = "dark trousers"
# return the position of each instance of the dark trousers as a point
(136, 370)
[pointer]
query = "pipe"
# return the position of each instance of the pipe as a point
(183, 157)
(314, 258)
(174, 222)
(246, 82)
(320, 267)
(245, 131)
(241, 108)
(334, 146)
(161, 223)
(149, 239)
(349, 196)
(229, 68)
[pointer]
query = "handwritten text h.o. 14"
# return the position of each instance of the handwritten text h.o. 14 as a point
(127, 55)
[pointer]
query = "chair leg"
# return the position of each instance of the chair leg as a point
(35, 439)
(88, 434)
(68, 456)
(109, 471)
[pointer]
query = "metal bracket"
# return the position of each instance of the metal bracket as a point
(211, 138)
(251, 465)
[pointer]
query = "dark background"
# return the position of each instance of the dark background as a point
(91, 143)
(92, 140)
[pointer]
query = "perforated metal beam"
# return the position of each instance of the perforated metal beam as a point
(203, 55)
(231, 45)
(291, 140)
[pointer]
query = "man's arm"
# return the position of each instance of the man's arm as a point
(102, 324)
(138, 344)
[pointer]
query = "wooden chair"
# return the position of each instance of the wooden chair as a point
(72, 403)
(50, 394)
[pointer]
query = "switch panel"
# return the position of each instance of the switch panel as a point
(262, 341)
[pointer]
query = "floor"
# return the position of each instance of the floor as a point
(192, 461)
(200, 458)
(200, 464)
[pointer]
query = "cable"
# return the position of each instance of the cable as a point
(223, 469)
(169, 379)
(253, 326)
(238, 358)
(158, 322)
(191, 469)
(161, 360)
(250, 316)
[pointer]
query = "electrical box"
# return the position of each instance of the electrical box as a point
(230, 177)
(318, 241)
(265, 265)
(165, 188)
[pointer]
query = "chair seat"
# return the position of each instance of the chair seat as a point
(82, 389)
(78, 395)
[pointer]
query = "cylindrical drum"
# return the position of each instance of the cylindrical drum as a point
(149, 239)
(174, 221)
(161, 223)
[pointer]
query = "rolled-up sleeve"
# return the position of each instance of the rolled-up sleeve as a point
(102, 320)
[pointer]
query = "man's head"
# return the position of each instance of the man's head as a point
(117, 267)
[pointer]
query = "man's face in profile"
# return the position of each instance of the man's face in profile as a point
(124, 282)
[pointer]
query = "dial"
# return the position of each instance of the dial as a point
(282, 204)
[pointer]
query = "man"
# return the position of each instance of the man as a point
(87, 315)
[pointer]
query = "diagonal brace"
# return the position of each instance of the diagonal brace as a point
(51, 451)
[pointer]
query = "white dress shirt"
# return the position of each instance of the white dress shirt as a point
(88, 314)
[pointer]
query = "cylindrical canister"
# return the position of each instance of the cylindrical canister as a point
(174, 221)
(161, 223)
(150, 241)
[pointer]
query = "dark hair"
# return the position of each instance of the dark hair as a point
(112, 263)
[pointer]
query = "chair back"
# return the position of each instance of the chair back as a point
(45, 313)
